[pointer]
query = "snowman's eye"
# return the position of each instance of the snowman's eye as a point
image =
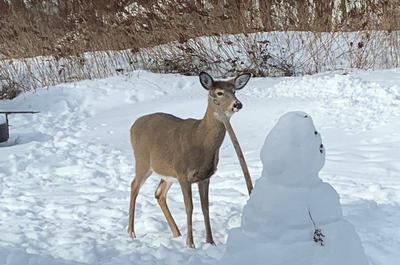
(315, 132)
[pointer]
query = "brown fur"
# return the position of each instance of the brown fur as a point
(184, 150)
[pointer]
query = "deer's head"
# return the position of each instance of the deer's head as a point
(222, 93)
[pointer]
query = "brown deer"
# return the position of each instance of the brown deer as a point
(184, 151)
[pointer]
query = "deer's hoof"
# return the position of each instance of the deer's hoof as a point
(175, 235)
(211, 242)
(190, 245)
(131, 233)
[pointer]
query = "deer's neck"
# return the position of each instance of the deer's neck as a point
(211, 131)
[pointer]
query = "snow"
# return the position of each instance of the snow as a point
(2, 119)
(278, 219)
(293, 153)
(64, 185)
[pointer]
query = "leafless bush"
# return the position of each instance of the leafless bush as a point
(262, 54)
(9, 89)
(224, 55)
(276, 53)
(63, 41)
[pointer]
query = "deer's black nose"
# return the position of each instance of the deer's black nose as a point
(238, 105)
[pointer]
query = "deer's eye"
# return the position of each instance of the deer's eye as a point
(220, 94)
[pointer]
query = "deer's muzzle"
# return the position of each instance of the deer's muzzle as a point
(237, 106)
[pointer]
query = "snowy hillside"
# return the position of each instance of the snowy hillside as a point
(64, 187)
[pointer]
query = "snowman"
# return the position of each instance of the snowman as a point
(292, 216)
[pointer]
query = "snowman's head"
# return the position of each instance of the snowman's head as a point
(293, 153)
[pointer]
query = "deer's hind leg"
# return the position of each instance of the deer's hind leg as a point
(161, 196)
(142, 173)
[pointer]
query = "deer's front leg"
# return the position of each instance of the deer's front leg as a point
(203, 190)
(186, 187)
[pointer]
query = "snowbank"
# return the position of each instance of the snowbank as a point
(290, 202)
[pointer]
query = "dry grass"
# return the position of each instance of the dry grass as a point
(262, 54)
(67, 28)
(55, 37)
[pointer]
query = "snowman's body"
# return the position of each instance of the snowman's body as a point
(276, 224)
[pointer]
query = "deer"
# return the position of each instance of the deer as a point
(184, 151)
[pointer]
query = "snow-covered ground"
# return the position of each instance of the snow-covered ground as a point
(64, 187)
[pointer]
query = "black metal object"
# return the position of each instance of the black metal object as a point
(4, 130)
(4, 134)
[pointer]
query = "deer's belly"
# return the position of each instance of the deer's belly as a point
(162, 166)
(165, 175)
(193, 168)
(169, 179)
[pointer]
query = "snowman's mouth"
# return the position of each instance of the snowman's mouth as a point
(321, 148)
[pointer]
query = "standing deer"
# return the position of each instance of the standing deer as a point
(183, 151)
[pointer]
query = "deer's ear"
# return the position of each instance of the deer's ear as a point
(206, 80)
(241, 81)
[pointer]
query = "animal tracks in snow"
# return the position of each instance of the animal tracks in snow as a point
(64, 189)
